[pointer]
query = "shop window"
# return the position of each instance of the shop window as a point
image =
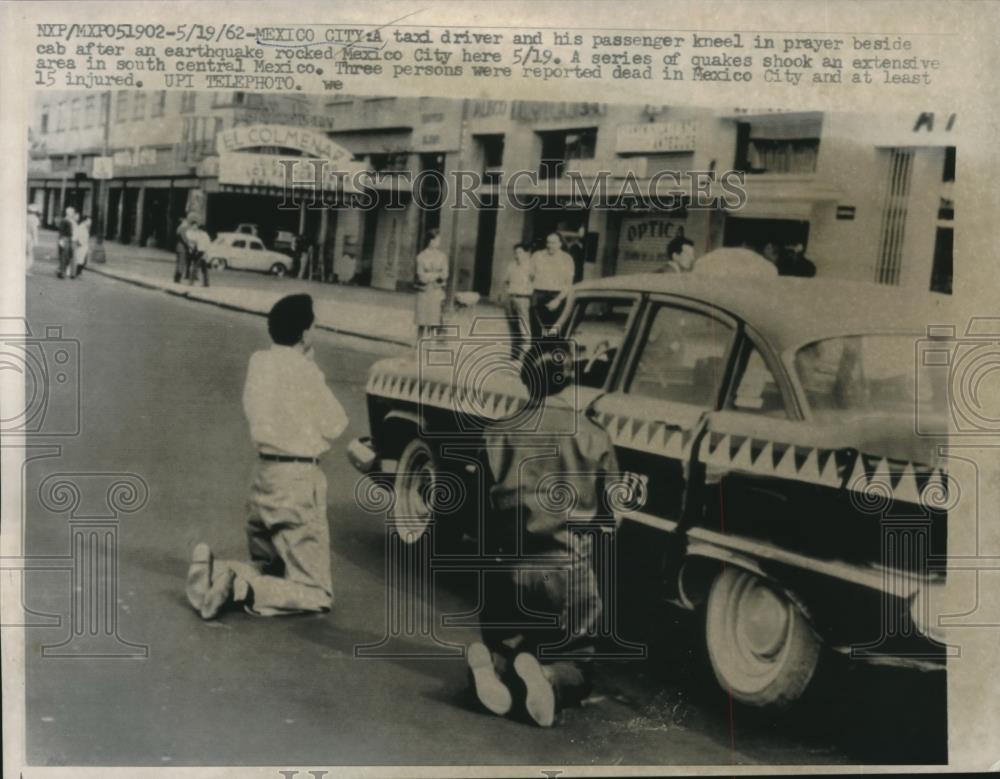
(779, 144)
(188, 102)
(121, 106)
(159, 103)
(563, 145)
(682, 358)
(491, 149)
(391, 162)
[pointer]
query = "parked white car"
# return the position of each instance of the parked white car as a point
(246, 252)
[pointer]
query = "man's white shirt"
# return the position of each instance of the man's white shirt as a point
(290, 408)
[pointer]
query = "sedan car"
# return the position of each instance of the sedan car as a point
(769, 430)
(246, 252)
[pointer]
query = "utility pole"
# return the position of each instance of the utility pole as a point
(100, 214)
(453, 250)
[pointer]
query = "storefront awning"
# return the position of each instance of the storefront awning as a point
(782, 198)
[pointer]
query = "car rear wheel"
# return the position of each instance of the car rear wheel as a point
(218, 263)
(278, 270)
(762, 648)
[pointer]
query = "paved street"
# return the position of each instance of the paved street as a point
(160, 382)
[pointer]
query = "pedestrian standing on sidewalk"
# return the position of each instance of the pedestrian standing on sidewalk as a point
(181, 248)
(519, 284)
(305, 249)
(198, 242)
(681, 260)
(553, 270)
(32, 237)
(431, 273)
(555, 574)
(66, 227)
(293, 419)
(81, 244)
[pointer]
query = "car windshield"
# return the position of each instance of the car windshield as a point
(868, 375)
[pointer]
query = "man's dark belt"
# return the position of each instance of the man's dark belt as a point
(287, 458)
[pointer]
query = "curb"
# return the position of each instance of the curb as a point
(243, 309)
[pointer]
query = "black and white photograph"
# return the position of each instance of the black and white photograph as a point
(496, 430)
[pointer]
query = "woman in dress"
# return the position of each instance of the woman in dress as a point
(432, 273)
(81, 244)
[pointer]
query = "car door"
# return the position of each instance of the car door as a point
(257, 255)
(236, 256)
(673, 377)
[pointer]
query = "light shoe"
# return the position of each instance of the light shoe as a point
(540, 700)
(490, 690)
(199, 578)
(219, 594)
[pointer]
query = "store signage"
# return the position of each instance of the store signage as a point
(531, 111)
(271, 170)
(309, 142)
(845, 212)
(676, 135)
(644, 238)
(129, 158)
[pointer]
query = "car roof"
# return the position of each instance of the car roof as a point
(239, 236)
(789, 311)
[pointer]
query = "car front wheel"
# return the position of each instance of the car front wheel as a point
(762, 648)
(278, 270)
(218, 263)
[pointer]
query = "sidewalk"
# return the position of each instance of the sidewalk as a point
(363, 312)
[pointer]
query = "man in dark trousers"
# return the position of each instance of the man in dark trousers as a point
(66, 225)
(545, 666)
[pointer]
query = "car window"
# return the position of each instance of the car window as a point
(597, 330)
(757, 390)
(239, 244)
(682, 358)
(851, 377)
(256, 245)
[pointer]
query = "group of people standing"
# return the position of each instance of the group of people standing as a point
(759, 258)
(535, 289)
(192, 245)
(73, 243)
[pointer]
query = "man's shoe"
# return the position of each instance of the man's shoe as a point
(540, 700)
(219, 594)
(199, 578)
(490, 690)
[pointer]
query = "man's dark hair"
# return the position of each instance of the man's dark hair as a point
(289, 318)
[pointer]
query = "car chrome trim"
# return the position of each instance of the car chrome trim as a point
(889, 581)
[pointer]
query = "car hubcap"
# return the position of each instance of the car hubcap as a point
(416, 496)
(762, 622)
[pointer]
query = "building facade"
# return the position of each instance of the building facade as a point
(869, 197)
